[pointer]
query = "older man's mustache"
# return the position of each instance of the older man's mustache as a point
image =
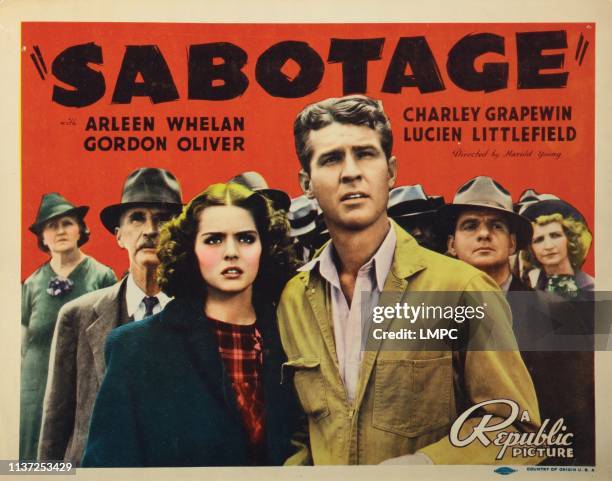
(150, 244)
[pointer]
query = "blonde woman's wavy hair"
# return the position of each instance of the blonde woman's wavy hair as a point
(579, 240)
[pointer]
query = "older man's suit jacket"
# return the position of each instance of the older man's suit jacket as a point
(76, 370)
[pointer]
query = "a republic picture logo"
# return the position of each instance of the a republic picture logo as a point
(552, 440)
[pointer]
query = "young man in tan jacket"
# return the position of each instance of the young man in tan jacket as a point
(374, 405)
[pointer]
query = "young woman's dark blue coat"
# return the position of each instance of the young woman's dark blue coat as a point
(166, 399)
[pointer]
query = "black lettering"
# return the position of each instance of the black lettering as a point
(460, 65)
(355, 55)
(216, 81)
(529, 46)
(269, 75)
(71, 67)
(413, 51)
(148, 61)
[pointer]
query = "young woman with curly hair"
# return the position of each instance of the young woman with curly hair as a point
(199, 384)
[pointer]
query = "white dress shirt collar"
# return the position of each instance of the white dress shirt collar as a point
(134, 297)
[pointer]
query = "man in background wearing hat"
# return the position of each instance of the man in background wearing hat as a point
(416, 212)
(150, 197)
(485, 230)
(256, 182)
(303, 226)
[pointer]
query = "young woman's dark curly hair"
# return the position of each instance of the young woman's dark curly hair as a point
(179, 274)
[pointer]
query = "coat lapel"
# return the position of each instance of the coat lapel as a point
(109, 312)
(187, 316)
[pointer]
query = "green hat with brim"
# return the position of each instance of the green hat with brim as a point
(53, 205)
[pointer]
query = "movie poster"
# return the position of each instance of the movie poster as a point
(206, 101)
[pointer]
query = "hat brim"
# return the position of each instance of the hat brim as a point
(551, 206)
(415, 206)
(416, 215)
(300, 231)
(521, 226)
(80, 211)
(110, 215)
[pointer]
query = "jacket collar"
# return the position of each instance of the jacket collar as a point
(538, 278)
(517, 285)
(183, 313)
(188, 314)
(379, 263)
(584, 281)
(407, 259)
(110, 311)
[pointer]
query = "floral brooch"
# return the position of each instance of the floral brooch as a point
(58, 286)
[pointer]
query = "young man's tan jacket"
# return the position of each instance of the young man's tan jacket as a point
(406, 400)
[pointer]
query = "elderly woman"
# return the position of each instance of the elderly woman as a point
(560, 244)
(199, 384)
(61, 231)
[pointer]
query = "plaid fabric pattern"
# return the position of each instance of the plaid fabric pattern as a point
(242, 354)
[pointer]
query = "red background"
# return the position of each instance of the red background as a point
(54, 159)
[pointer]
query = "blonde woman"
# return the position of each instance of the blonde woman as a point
(561, 241)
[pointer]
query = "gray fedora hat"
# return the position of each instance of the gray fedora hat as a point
(484, 192)
(302, 216)
(148, 186)
(256, 182)
(411, 201)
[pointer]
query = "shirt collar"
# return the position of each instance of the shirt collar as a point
(505, 286)
(134, 296)
(381, 261)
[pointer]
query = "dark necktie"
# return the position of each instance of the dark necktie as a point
(150, 303)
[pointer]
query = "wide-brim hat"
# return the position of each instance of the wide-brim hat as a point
(533, 205)
(410, 201)
(302, 216)
(149, 187)
(484, 192)
(256, 182)
(53, 205)
(529, 196)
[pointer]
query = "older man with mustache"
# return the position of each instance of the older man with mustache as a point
(150, 197)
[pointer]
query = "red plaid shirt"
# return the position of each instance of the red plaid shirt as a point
(242, 353)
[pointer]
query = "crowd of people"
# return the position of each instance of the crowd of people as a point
(235, 338)
(546, 238)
